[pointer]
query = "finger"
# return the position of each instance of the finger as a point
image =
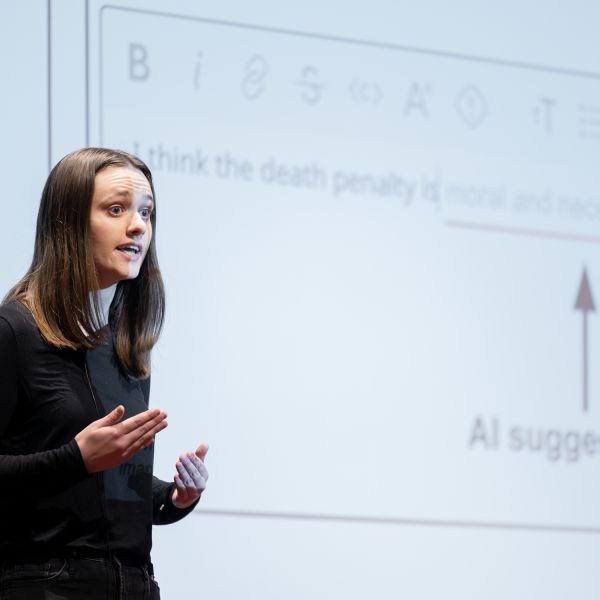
(194, 473)
(146, 438)
(199, 465)
(140, 420)
(143, 429)
(181, 495)
(201, 451)
(185, 476)
(148, 443)
(143, 441)
(112, 418)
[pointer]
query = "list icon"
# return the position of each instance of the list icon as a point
(589, 121)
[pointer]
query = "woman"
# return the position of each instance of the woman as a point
(76, 436)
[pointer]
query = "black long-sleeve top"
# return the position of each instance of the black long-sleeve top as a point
(50, 506)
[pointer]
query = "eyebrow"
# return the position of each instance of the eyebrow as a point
(127, 193)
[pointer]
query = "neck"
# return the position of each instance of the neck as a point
(105, 297)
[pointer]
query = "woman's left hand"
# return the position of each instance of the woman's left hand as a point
(191, 476)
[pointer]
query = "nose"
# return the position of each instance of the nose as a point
(137, 225)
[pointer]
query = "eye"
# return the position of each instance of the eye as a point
(115, 210)
(146, 211)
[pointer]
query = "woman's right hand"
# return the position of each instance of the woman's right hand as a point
(106, 443)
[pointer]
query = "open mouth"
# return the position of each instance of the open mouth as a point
(130, 249)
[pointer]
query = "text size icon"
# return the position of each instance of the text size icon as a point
(543, 114)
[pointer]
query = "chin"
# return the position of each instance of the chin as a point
(132, 275)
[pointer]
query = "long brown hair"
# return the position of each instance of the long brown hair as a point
(57, 286)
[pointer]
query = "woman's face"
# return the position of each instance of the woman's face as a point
(120, 226)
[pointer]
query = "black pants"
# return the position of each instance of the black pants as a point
(76, 578)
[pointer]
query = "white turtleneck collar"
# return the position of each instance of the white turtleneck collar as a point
(105, 298)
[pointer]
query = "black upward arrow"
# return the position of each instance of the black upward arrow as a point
(585, 303)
